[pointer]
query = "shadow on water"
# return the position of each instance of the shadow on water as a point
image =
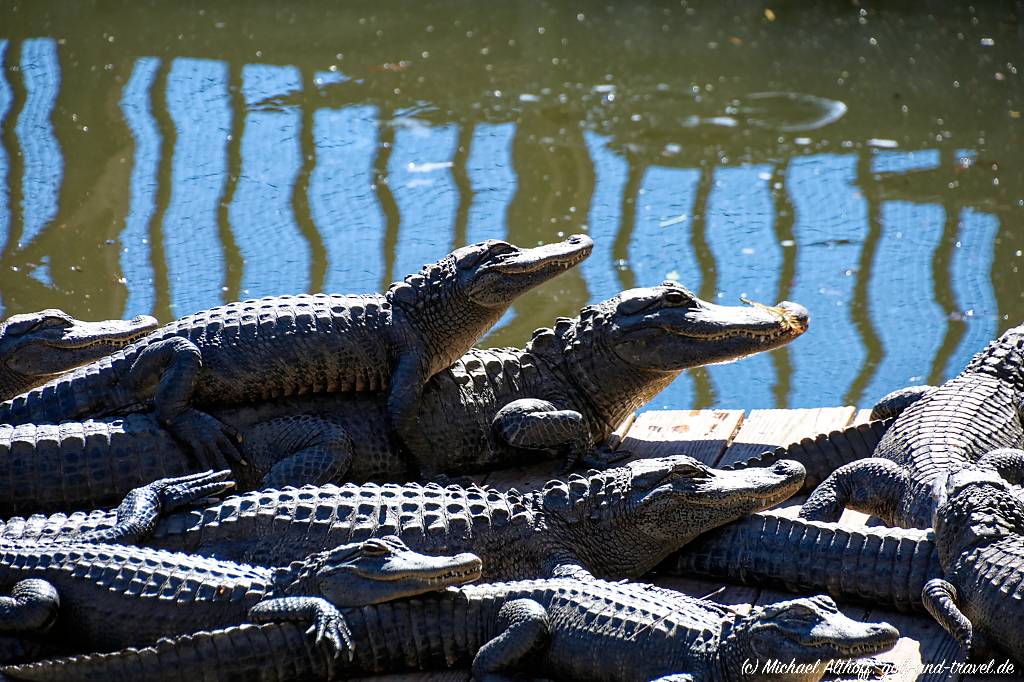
(262, 147)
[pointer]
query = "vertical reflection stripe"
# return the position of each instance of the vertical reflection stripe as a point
(830, 227)
(44, 167)
(6, 97)
(197, 101)
(135, 250)
(610, 171)
(902, 293)
(420, 176)
(971, 274)
(342, 200)
(741, 236)
(276, 256)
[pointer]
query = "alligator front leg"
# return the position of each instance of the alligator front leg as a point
(1009, 462)
(873, 486)
(535, 424)
(893, 404)
(404, 390)
(315, 451)
(32, 607)
(326, 623)
(143, 507)
(939, 598)
(174, 365)
(524, 630)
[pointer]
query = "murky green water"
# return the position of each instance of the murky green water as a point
(862, 159)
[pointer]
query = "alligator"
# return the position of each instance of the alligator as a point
(875, 565)
(288, 345)
(35, 347)
(945, 428)
(979, 598)
(560, 628)
(618, 522)
(565, 392)
(80, 596)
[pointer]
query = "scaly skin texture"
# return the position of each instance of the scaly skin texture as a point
(618, 523)
(289, 345)
(35, 347)
(944, 429)
(879, 566)
(108, 596)
(563, 629)
(562, 394)
(979, 532)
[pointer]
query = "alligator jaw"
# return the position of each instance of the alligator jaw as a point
(405, 574)
(514, 273)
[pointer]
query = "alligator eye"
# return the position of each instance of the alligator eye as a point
(374, 548)
(677, 297)
(689, 471)
(499, 249)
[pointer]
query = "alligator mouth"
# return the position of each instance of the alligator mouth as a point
(460, 569)
(784, 321)
(112, 333)
(561, 256)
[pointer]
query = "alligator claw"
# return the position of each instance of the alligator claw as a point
(214, 444)
(333, 635)
(189, 490)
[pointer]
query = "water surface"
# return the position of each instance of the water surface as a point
(863, 159)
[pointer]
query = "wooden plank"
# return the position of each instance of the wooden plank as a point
(703, 434)
(766, 429)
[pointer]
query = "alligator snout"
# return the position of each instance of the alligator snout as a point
(795, 314)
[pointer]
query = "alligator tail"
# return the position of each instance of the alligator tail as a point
(88, 391)
(273, 652)
(887, 566)
(824, 453)
(82, 465)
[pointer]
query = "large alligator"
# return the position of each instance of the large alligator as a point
(979, 598)
(558, 628)
(289, 345)
(80, 597)
(877, 565)
(35, 347)
(565, 392)
(954, 425)
(619, 522)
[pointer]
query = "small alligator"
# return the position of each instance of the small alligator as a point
(979, 599)
(84, 596)
(560, 628)
(565, 392)
(954, 425)
(616, 523)
(35, 347)
(288, 345)
(877, 565)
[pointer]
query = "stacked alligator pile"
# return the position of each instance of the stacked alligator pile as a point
(337, 416)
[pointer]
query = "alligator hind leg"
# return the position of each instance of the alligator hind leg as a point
(893, 404)
(327, 623)
(173, 365)
(523, 626)
(1009, 462)
(319, 450)
(872, 485)
(939, 598)
(535, 424)
(31, 607)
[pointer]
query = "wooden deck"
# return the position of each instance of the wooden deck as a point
(718, 437)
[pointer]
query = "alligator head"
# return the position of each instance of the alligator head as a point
(454, 301)
(623, 521)
(375, 571)
(36, 346)
(623, 351)
(974, 506)
(807, 633)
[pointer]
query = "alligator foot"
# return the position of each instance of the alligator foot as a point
(939, 598)
(523, 628)
(31, 607)
(872, 485)
(326, 623)
(602, 457)
(214, 444)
